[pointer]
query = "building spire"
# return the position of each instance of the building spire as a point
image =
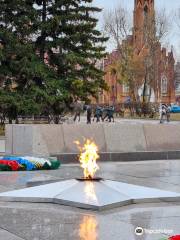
(143, 12)
(143, 2)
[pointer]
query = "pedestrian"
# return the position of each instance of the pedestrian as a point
(105, 113)
(162, 112)
(77, 110)
(89, 113)
(98, 114)
(101, 113)
(111, 113)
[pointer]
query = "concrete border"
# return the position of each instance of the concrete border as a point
(115, 141)
(122, 157)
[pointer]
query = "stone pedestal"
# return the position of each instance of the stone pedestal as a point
(46, 140)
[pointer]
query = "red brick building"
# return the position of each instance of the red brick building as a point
(162, 87)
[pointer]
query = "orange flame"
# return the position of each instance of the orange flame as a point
(88, 228)
(88, 157)
(89, 191)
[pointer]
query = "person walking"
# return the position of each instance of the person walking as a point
(168, 113)
(105, 113)
(77, 110)
(111, 113)
(89, 113)
(162, 112)
(98, 114)
(101, 114)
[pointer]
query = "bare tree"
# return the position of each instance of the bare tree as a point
(176, 32)
(118, 27)
(156, 29)
(163, 23)
(177, 18)
(117, 24)
(131, 66)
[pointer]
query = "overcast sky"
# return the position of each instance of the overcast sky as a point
(170, 5)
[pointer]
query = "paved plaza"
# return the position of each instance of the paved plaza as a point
(39, 221)
(124, 120)
(89, 120)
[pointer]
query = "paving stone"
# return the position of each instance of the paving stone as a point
(35, 221)
(5, 235)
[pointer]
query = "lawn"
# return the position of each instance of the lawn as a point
(175, 116)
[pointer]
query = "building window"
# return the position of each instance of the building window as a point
(146, 11)
(125, 88)
(164, 83)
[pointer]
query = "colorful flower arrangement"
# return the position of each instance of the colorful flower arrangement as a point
(175, 238)
(172, 238)
(19, 163)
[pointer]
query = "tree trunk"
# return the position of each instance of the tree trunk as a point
(144, 89)
(43, 33)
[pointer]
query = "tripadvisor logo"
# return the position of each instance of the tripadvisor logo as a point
(139, 231)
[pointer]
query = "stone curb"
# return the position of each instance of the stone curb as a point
(123, 157)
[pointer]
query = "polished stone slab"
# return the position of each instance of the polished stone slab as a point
(47, 221)
(42, 193)
(95, 195)
(92, 195)
(5, 235)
